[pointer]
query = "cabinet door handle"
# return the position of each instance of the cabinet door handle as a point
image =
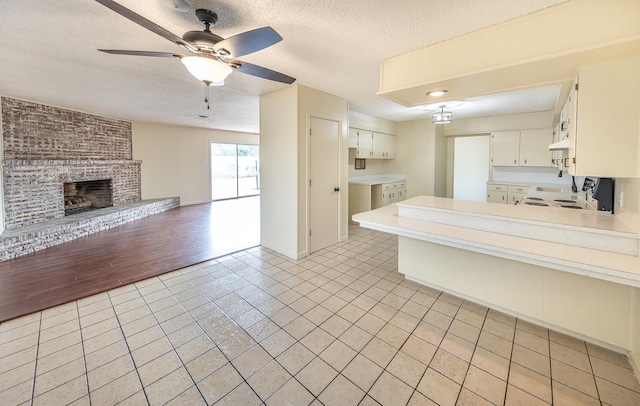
(525, 161)
(515, 161)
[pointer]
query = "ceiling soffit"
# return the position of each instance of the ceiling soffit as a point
(539, 49)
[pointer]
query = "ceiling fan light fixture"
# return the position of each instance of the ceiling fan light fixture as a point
(442, 117)
(205, 69)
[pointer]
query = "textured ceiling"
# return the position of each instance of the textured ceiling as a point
(49, 55)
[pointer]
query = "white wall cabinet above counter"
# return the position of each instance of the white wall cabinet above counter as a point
(371, 144)
(604, 120)
(521, 148)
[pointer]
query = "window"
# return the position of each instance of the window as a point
(234, 171)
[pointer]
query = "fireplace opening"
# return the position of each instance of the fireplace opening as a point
(85, 196)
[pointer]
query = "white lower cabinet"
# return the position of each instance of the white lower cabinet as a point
(516, 193)
(497, 193)
(369, 197)
(506, 194)
(391, 193)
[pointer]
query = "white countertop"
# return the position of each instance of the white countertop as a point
(533, 190)
(377, 179)
(600, 264)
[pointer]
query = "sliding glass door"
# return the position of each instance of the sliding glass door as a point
(234, 171)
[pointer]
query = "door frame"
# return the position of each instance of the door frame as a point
(342, 184)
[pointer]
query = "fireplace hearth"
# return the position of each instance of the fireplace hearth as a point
(80, 197)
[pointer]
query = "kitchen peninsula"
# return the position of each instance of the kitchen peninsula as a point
(577, 271)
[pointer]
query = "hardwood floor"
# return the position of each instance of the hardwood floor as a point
(129, 253)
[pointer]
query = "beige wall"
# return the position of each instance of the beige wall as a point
(279, 171)
(372, 166)
(175, 160)
(371, 123)
(630, 210)
(484, 125)
(630, 213)
(285, 117)
(416, 156)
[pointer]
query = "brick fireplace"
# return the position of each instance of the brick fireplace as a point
(66, 174)
(80, 197)
(47, 147)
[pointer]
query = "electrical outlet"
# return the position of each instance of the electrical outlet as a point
(181, 193)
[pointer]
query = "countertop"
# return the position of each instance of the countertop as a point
(533, 190)
(377, 179)
(449, 230)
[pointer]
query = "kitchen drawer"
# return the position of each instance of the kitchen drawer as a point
(496, 188)
(518, 189)
(393, 185)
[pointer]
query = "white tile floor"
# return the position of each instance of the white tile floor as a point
(341, 327)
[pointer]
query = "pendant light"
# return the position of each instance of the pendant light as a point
(442, 117)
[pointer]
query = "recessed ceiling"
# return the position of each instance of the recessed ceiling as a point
(532, 100)
(50, 55)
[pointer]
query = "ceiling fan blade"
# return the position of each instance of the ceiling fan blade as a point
(259, 71)
(149, 25)
(249, 42)
(141, 53)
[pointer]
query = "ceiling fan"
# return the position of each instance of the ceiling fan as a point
(213, 56)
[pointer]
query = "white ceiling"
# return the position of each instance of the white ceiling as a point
(49, 55)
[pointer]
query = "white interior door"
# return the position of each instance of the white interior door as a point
(471, 167)
(323, 196)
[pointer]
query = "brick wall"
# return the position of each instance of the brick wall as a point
(33, 131)
(46, 146)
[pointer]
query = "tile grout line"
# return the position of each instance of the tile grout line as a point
(316, 326)
(513, 345)
(550, 367)
(84, 357)
(35, 366)
(126, 343)
(593, 374)
(173, 348)
(484, 320)
(244, 380)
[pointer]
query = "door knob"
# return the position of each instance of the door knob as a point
(336, 189)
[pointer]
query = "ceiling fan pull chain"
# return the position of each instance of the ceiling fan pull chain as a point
(206, 94)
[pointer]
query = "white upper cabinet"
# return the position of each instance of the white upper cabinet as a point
(534, 147)
(365, 144)
(372, 145)
(353, 138)
(521, 148)
(378, 146)
(390, 146)
(604, 116)
(505, 148)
